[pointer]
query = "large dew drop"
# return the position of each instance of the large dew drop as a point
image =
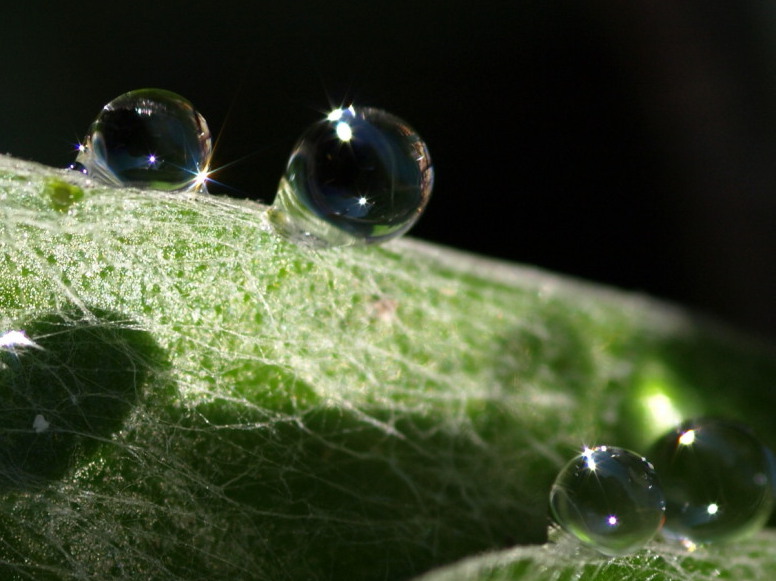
(149, 138)
(360, 176)
(717, 478)
(610, 499)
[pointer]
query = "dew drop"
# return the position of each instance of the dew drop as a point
(149, 138)
(610, 499)
(718, 481)
(360, 176)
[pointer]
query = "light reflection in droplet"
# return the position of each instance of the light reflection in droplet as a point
(687, 438)
(334, 115)
(344, 131)
(588, 455)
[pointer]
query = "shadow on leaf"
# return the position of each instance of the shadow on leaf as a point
(67, 382)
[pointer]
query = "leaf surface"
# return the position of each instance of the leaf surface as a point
(217, 402)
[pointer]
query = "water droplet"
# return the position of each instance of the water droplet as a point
(359, 176)
(718, 481)
(148, 138)
(609, 498)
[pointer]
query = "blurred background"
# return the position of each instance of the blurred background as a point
(630, 143)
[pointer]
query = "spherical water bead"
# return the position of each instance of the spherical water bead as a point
(359, 176)
(148, 138)
(718, 481)
(609, 498)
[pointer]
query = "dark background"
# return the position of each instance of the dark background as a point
(631, 143)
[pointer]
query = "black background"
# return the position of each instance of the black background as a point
(631, 143)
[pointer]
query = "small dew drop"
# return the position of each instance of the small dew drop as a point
(359, 176)
(717, 480)
(149, 138)
(609, 498)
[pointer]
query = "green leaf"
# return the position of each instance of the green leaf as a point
(200, 399)
(564, 561)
